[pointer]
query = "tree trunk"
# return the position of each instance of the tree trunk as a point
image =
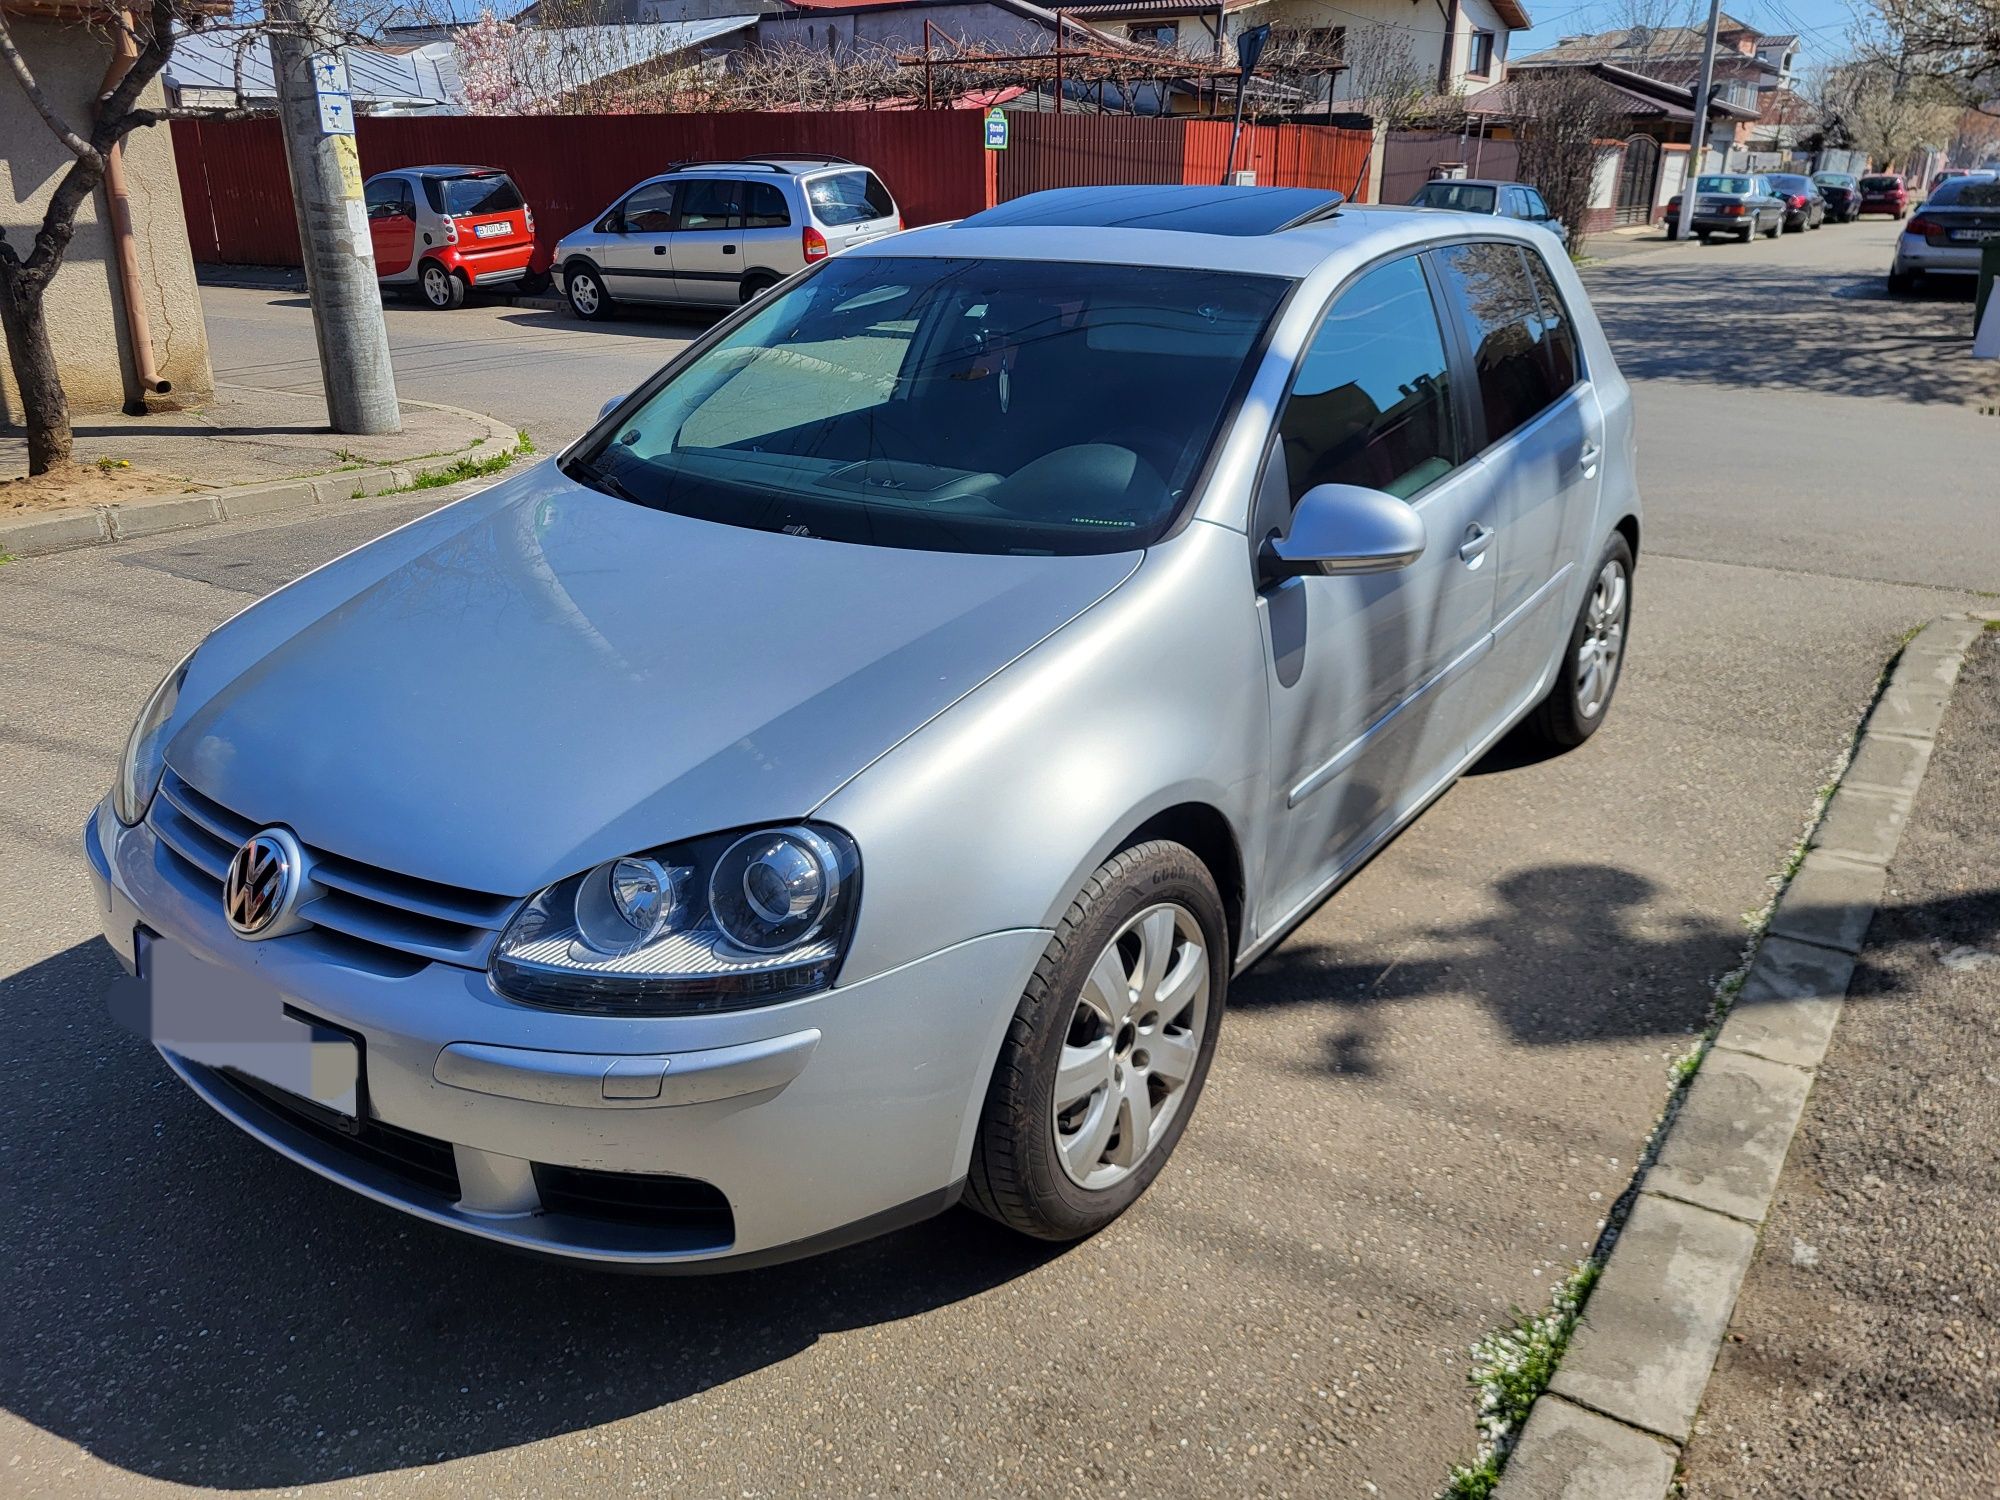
(43, 404)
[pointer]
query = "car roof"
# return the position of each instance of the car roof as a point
(776, 166)
(1178, 208)
(455, 171)
(1354, 234)
(1494, 182)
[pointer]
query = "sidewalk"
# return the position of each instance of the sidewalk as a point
(246, 451)
(1864, 1355)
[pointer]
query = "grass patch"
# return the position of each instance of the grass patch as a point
(468, 468)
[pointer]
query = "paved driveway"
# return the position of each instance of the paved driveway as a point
(1423, 1104)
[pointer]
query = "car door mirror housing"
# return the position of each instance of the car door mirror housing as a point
(606, 409)
(1344, 528)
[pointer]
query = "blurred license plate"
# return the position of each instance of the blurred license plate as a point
(490, 231)
(229, 1019)
(1976, 234)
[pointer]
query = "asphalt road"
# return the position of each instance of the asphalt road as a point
(1425, 1102)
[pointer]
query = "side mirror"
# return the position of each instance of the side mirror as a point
(1343, 528)
(606, 409)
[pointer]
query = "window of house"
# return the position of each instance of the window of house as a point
(1489, 291)
(1155, 33)
(1371, 404)
(1480, 63)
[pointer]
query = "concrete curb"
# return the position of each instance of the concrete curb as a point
(1623, 1402)
(296, 287)
(149, 515)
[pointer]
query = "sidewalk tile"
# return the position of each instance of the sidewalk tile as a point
(1830, 901)
(1567, 1453)
(1789, 1004)
(1728, 1142)
(1862, 824)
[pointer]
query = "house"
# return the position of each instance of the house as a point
(1640, 172)
(211, 70)
(123, 306)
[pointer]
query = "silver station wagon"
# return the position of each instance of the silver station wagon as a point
(848, 778)
(715, 234)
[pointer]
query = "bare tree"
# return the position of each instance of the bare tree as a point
(1560, 116)
(1887, 107)
(1955, 43)
(145, 35)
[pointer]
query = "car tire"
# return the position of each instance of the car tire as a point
(1702, 235)
(1902, 283)
(584, 291)
(1673, 231)
(534, 283)
(1750, 231)
(440, 288)
(754, 286)
(1056, 1168)
(1578, 700)
(1775, 230)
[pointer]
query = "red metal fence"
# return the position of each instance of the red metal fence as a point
(239, 207)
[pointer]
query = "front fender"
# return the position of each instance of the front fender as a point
(991, 816)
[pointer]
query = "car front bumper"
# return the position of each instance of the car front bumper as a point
(818, 1121)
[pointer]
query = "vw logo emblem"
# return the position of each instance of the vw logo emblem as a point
(262, 879)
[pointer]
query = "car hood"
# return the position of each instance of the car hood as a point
(557, 677)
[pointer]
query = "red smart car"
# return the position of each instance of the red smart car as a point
(445, 231)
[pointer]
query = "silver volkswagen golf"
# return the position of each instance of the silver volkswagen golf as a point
(848, 778)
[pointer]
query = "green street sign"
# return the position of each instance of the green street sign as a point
(996, 129)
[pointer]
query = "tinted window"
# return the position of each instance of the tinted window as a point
(1722, 185)
(462, 196)
(709, 203)
(1789, 184)
(650, 210)
(1880, 184)
(1558, 336)
(391, 198)
(1469, 198)
(764, 206)
(951, 404)
(1372, 401)
(1834, 179)
(849, 198)
(1966, 192)
(1489, 292)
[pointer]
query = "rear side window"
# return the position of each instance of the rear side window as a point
(710, 203)
(849, 198)
(1371, 404)
(764, 207)
(1558, 334)
(1470, 198)
(1488, 290)
(650, 210)
(467, 196)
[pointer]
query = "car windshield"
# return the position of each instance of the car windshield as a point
(1880, 184)
(849, 198)
(1722, 184)
(1466, 197)
(1966, 192)
(463, 196)
(948, 404)
(1834, 179)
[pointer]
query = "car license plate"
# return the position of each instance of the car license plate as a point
(226, 1018)
(491, 231)
(1976, 234)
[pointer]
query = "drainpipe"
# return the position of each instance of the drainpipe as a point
(138, 330)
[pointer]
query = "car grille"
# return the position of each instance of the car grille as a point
(361, 903)
(685, 1205)
(418, 1161)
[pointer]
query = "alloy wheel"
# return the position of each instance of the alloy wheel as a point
(1131, 1046)
(583, 293)
(1603, 640)
(437, 286)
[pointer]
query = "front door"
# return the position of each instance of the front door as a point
(1543, 434)
(392, 224)
(1638, 180)
(1369, 674)
(637, 259)
(708, 242)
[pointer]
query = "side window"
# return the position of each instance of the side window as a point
(1490, 295)
(1371, 404)
(710, 203)
(764, 206)
(650, 210)
(1537, 209)
(390, 198)
(1558, 333)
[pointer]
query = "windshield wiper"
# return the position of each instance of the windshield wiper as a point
(601, 479)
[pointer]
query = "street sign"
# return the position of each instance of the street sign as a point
(336, 108)
(336, 115)
(996, 129)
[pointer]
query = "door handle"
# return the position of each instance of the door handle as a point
(1477, 539)
(659, 249)
(1587, 460)
(728, 249)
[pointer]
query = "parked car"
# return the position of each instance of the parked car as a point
(1945, 174)
(1730, 203)
(443, 231)
(1805, 205)
(1480, 195)
(1946, 235)
(851, 774)
(1885, 193)
(716, 234)
(1842, 191)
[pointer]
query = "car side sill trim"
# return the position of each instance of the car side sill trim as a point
(1528, 605)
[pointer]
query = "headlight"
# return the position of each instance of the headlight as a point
(146, 748)
(713, 924)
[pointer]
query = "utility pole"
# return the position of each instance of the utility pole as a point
(318, 118)
(1698, 138)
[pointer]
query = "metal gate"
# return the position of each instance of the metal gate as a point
(1638, 180)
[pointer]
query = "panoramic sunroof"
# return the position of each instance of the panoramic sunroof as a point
(1189, 210)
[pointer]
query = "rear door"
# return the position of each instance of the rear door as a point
(637, 254)
(1369, 673)
(392, 224)
(708, 241)
(1543, 438)
(771, 241)
(851, 207)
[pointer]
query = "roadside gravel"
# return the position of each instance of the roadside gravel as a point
(1864, 1357)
